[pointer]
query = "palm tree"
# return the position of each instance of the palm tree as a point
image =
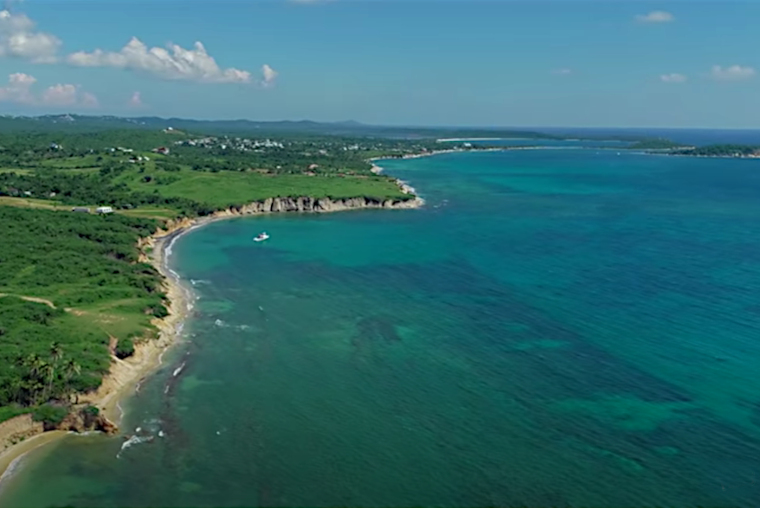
(48, 371)
(71, 369)
(56, 354)
(33, 362)
(15, 389)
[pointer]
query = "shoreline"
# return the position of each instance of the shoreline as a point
(125, 376)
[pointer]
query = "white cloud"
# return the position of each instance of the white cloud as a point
(17, 89)
(176, 63)
(673, 77)
(731, 73)
(19, 86)
(655, 17)
(136, 100)
(60, 95)
(270, 75)
(89, 100)
(19, 39)
(562, 72)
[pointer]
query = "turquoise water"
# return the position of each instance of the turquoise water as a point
(554, 328)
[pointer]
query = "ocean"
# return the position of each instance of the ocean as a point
(554, 328)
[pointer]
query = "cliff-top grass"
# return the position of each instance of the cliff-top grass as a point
(228, 188)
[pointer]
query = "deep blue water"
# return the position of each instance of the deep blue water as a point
(555, 327)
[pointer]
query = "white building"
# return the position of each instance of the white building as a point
(104, 209)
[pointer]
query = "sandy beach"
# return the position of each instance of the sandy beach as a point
(125, 375)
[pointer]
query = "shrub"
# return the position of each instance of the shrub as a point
(124, 348)
(50, 415)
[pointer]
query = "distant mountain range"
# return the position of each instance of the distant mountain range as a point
(350, 128)
(81, 123)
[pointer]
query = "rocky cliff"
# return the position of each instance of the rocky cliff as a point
(302, 204)
(307, 204)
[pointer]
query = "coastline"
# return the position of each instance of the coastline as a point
(125, 376)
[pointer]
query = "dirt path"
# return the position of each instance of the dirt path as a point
(31, 299)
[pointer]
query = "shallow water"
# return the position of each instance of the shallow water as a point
(553, 328)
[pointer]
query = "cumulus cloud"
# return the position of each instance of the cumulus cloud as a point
(655, 17)
(136, 100)
(19, 39)
(173, 63)
(270, 75)
(19, 90)
(673, 77)
(731, 73)
(89, 100)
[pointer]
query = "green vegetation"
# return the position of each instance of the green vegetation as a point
(50, 415)
(72, 284)
(655, 144)
(69, 284)
(125, 348)
(73, 288)
(725, 150)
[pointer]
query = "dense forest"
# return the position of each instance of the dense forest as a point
(71, 284)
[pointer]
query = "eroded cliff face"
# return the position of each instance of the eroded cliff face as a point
(302, 204)
(22, 427)
(307, 204)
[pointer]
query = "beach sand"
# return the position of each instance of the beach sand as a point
(125, 375)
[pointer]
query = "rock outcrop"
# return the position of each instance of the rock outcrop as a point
(82, 420)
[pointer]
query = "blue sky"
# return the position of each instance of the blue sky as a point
(425, 62)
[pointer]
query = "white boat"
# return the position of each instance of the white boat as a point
(261, 237)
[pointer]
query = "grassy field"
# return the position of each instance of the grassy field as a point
(45, 204)
(228, 188)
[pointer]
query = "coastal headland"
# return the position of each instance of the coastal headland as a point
(21, 434)
(159, 184)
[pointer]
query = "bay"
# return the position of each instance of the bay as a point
(555, 327)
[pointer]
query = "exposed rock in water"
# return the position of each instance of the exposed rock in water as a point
(83, 420)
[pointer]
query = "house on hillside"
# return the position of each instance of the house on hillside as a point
(162, 150)
(103, 210)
